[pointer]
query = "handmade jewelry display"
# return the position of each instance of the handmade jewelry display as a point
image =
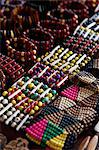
(56, 98)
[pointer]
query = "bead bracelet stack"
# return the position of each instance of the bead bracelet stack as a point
(25, 16)
(41, 38)
(77, 7)
(12, 70)
(64, 16)
(58, 30)
(22, 50)
(26, 98)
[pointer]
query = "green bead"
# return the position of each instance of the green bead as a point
(45, 99)
(26, 91)
(33, 96)
(26, 78)
(45, 87)
(54, 92)
(36, 82)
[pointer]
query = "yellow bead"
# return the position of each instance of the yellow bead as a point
(79, 55)
(51, 60)
(5, 93)
(39, 103)
(68, 66)
(59, 51)
(30, 86)
(71, 64)
(77, 71)
(62, 48)
(64, 57)
(67, 55)
(73, 61)
(46, 62)
(46, 54)
(89, 58)
(23, 95)
(82, 64)
(40, 91)
(59, 64)
(55, 67)
(55, 57)
(56, 54)
(25, 104)
(13, 102)
(70, 52)
(21, 83)
(10, 89)
(30, 100)
(74, 73)
(19, 98)
(76, 58)
(49, 95)
(85, 61)
(64, 70)
(36, 108)
(38, 59)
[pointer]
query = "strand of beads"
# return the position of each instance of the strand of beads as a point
(22, 50)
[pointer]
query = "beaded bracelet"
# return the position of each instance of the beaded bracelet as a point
(26, 19)
(77, 7)
(58, 30)
(41, 38)
(27, 96)
(12, 70)
(64, 16)
(21, 49)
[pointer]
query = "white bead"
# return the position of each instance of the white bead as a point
(9, 113)
(1, 106)
(5, 101)
(13, 109)
(96, 128)
(21, 116)
(17, 119)
(13, 124)
(4, 117)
